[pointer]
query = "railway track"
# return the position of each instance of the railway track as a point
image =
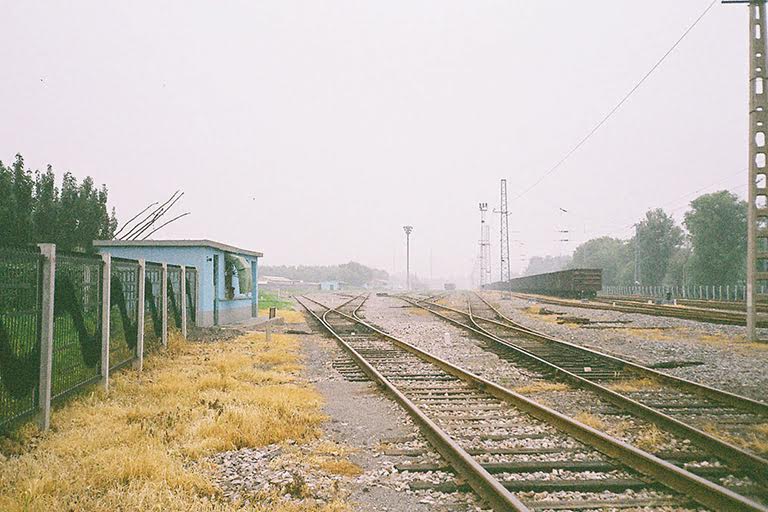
(762, 307)
(685, 312)
(674, 405)
(516, 454)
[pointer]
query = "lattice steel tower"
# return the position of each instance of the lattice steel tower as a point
(485, 247)
(505, 272)
(757, 197)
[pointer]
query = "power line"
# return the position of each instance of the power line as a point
(618, 105)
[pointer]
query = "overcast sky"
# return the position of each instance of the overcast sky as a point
(313, 130)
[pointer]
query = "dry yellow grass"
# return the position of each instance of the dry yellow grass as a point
(288, 315)
(755, 440)
(591, 420)
(652, 439)
(614, 428)
(144, 446)
(651, 334)
(628, 386)
(541, 387)
(740, 343)
(418, 311)
(535, 312)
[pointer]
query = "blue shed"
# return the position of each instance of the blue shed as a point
(228, 276)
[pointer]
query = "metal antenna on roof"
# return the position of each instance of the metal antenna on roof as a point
(165, 224)
(149, 218)
(149, 221)
(134, 218)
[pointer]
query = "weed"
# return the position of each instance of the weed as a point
(651, 439)
(541, 387)
(628, 386)
(756, 439)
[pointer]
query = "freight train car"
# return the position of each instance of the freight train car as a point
(576, 282)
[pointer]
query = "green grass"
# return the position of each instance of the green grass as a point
(268, 300)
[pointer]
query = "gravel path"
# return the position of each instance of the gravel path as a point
(727, 360)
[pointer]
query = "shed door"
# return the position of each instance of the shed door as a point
(215, 289)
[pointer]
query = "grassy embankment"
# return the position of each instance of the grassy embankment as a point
(146, 444)
(284, 307)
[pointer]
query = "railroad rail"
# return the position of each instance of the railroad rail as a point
(724, 305)
(698, 314)
(673, 404)
(484, 430)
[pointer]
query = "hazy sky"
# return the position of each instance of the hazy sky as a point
(313, 130)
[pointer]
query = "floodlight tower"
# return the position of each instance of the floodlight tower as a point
(505, 272)
(408, 230)
(757, 196)
(485, 247)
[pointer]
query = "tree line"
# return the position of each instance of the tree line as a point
(351, 273)
(708, 249)
(34, 209)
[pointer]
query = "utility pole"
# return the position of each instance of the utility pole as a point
(485, 247)
(637, 257)
(408, 230)
(757, 196)
(564, 232)
(505, 271)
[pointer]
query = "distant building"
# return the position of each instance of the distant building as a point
(227, 276)
(283, 283)
(330, 286)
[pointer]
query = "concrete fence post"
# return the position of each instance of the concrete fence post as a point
(138, 363)
(48, 251)
(106, 284)
(184, 301)
(164, 301)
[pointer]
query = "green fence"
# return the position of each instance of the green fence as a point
(77, 322)
(20, 314)
(77, 343)
(191, 289)
(124, 312)
(174, 296)
(153, 306)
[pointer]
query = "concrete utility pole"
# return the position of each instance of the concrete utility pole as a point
(408, 230)
(757, 200)
(485, 247)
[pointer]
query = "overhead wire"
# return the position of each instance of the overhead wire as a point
(618, 105)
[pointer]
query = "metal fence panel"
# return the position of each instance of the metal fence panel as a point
(124, 312)
(20, 316)
(77, 322)
(153, 318)
(191, 276)
(174, 296)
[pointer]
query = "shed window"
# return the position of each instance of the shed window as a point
(237, 277)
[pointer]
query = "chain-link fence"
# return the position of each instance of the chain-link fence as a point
(20, 312)
(71, 332)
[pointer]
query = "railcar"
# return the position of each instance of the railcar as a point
(575, 283)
